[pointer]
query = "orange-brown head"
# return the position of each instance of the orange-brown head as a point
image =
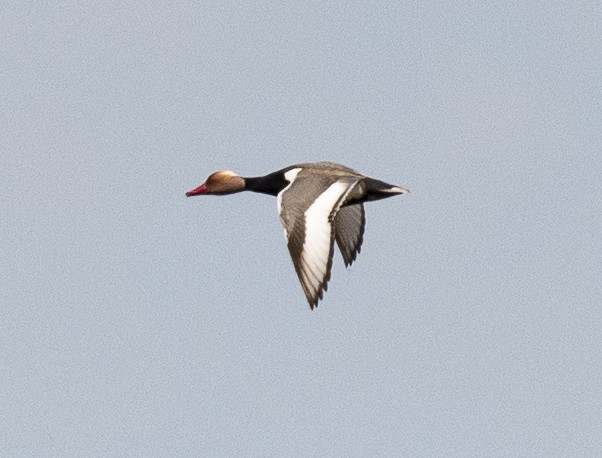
(220, 183)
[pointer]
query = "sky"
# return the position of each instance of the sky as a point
(137, 322)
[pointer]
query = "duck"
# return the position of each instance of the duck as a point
(318, 204)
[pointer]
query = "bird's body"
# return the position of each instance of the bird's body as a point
(318, 204)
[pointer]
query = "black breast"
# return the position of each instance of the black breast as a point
(270, 184)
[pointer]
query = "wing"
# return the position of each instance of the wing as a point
(307, 211)
(349, 225)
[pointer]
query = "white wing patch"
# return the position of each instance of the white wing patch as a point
(290, 177)
(317, 246)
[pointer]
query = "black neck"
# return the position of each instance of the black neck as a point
(270, 184)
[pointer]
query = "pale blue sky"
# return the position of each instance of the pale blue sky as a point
(137, 322)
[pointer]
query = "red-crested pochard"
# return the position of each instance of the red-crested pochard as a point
(318, 203)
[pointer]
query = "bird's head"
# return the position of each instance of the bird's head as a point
(220, 183)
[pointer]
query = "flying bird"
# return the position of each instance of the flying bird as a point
(318, 203)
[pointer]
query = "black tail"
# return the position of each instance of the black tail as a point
(376, 189)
